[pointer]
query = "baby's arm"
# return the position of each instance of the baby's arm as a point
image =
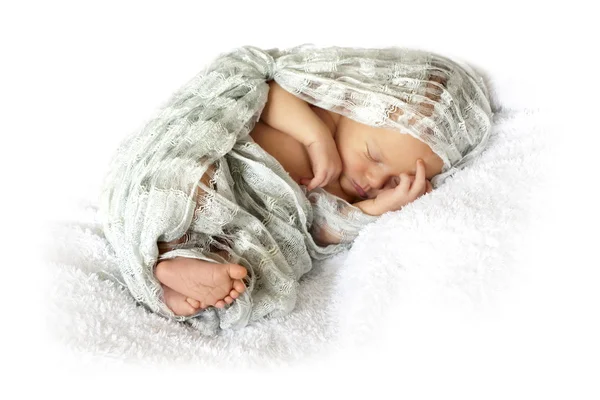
(292, 115)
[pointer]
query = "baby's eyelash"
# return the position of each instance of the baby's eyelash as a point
(369, 155)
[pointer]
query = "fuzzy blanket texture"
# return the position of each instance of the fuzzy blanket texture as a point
(453, 247)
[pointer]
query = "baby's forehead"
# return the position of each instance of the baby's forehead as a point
(384, 137)
(380, 137)
(372, 134)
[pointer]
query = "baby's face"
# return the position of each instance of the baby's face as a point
(373, 158)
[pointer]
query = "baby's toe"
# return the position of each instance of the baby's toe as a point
(193, 302)
(228, 300)
(236, 271)
(177, 302)
(239, 286)
(220, 304)
(234, 294)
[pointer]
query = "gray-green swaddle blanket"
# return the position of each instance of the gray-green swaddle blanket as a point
(251, 209)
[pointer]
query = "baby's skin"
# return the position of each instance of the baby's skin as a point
(191, 285)
(375, 170)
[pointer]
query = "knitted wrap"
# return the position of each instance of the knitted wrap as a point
(251, 212)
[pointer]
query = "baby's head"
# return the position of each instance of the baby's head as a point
(373, 158)
(448, 110)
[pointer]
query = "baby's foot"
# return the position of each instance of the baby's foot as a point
(190, 285)
(178, 303)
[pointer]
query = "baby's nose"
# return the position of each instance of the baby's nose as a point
(379, 183)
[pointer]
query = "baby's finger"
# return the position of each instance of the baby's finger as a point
(404, 183)
(323, 179)
(317, 180)
(334, 175)
(326, 179)
(419, 186)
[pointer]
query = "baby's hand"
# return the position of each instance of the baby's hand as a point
(409, 188)
(325, 160)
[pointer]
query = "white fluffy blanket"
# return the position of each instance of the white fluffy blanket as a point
(452, 250)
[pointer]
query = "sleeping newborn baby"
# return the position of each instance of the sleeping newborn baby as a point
(375, 169)
(267, 160)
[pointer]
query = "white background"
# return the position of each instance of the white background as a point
(76, 77)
